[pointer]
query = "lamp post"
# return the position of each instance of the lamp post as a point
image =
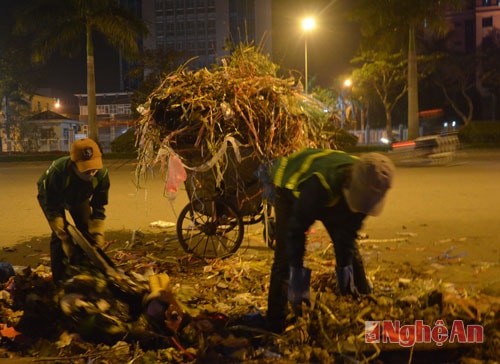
(308, 24)
(346, 85)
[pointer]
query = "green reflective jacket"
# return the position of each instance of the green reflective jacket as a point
(59, 189)
(328, 165)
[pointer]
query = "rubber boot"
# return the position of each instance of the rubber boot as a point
(299, 288)
(345, 281)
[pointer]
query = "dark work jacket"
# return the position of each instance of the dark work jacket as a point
(59, 189)
(312, 180)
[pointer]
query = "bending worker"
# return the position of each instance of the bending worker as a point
(79, 184)
(337, 189)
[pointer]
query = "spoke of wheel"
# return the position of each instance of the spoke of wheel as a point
(212, 241)
(225, 239)
(220, 241)
(191, 238)
(208, 239)
(196, 220)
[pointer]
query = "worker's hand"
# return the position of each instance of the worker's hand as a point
(96, 230)
(58, 227)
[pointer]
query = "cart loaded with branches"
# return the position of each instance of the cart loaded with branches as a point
(218, 131)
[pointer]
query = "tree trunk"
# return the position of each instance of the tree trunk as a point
(413, 127)
(91, 89)
(388, 122)
(7, 121)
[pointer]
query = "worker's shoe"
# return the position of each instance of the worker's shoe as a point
(299, 288)
(345, 281)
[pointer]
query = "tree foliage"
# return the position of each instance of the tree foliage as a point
(385, 23)
(391, 25)
(385, 74)
(455, 75)
(65, 25)
(17, 75)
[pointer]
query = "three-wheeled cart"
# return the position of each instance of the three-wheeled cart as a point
(213, 222)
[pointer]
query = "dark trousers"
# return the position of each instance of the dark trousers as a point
(58, 260)
(335, 219)
(278, 286)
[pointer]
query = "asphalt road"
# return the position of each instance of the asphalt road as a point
(444, 211)
(129, 208)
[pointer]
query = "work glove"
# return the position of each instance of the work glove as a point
(58, 227)
(96, 231)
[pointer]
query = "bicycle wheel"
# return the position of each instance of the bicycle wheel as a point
(210, 229)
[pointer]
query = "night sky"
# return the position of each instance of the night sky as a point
(70, 74)
(330, 47)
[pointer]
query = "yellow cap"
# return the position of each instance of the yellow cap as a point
(86, 154)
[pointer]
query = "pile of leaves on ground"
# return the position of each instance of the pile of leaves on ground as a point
(222, 304)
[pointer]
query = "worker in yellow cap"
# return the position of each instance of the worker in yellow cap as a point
(79, 184)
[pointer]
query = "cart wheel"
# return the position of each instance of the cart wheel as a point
(210, 229)
(269, 232)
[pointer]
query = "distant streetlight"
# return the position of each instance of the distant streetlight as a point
(308, 24)
(57, 104)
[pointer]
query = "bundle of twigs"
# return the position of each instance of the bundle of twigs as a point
(201, 115)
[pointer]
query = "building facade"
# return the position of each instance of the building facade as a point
(478, 23)
(472, 25)
(114, 115)
(199, 30)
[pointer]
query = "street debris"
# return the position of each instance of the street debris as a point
(215, 309)
(162, 224)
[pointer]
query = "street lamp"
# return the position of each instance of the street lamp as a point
(345, 86)
(308, 24)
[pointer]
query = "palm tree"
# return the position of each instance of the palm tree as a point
(384, 22)
(65, 25)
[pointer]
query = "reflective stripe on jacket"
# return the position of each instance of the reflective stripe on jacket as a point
(329, 166)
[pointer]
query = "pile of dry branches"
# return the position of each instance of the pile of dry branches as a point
(241, 103)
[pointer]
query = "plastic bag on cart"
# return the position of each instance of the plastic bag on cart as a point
(176, 174)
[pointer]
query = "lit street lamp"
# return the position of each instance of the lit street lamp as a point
(308, 24)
